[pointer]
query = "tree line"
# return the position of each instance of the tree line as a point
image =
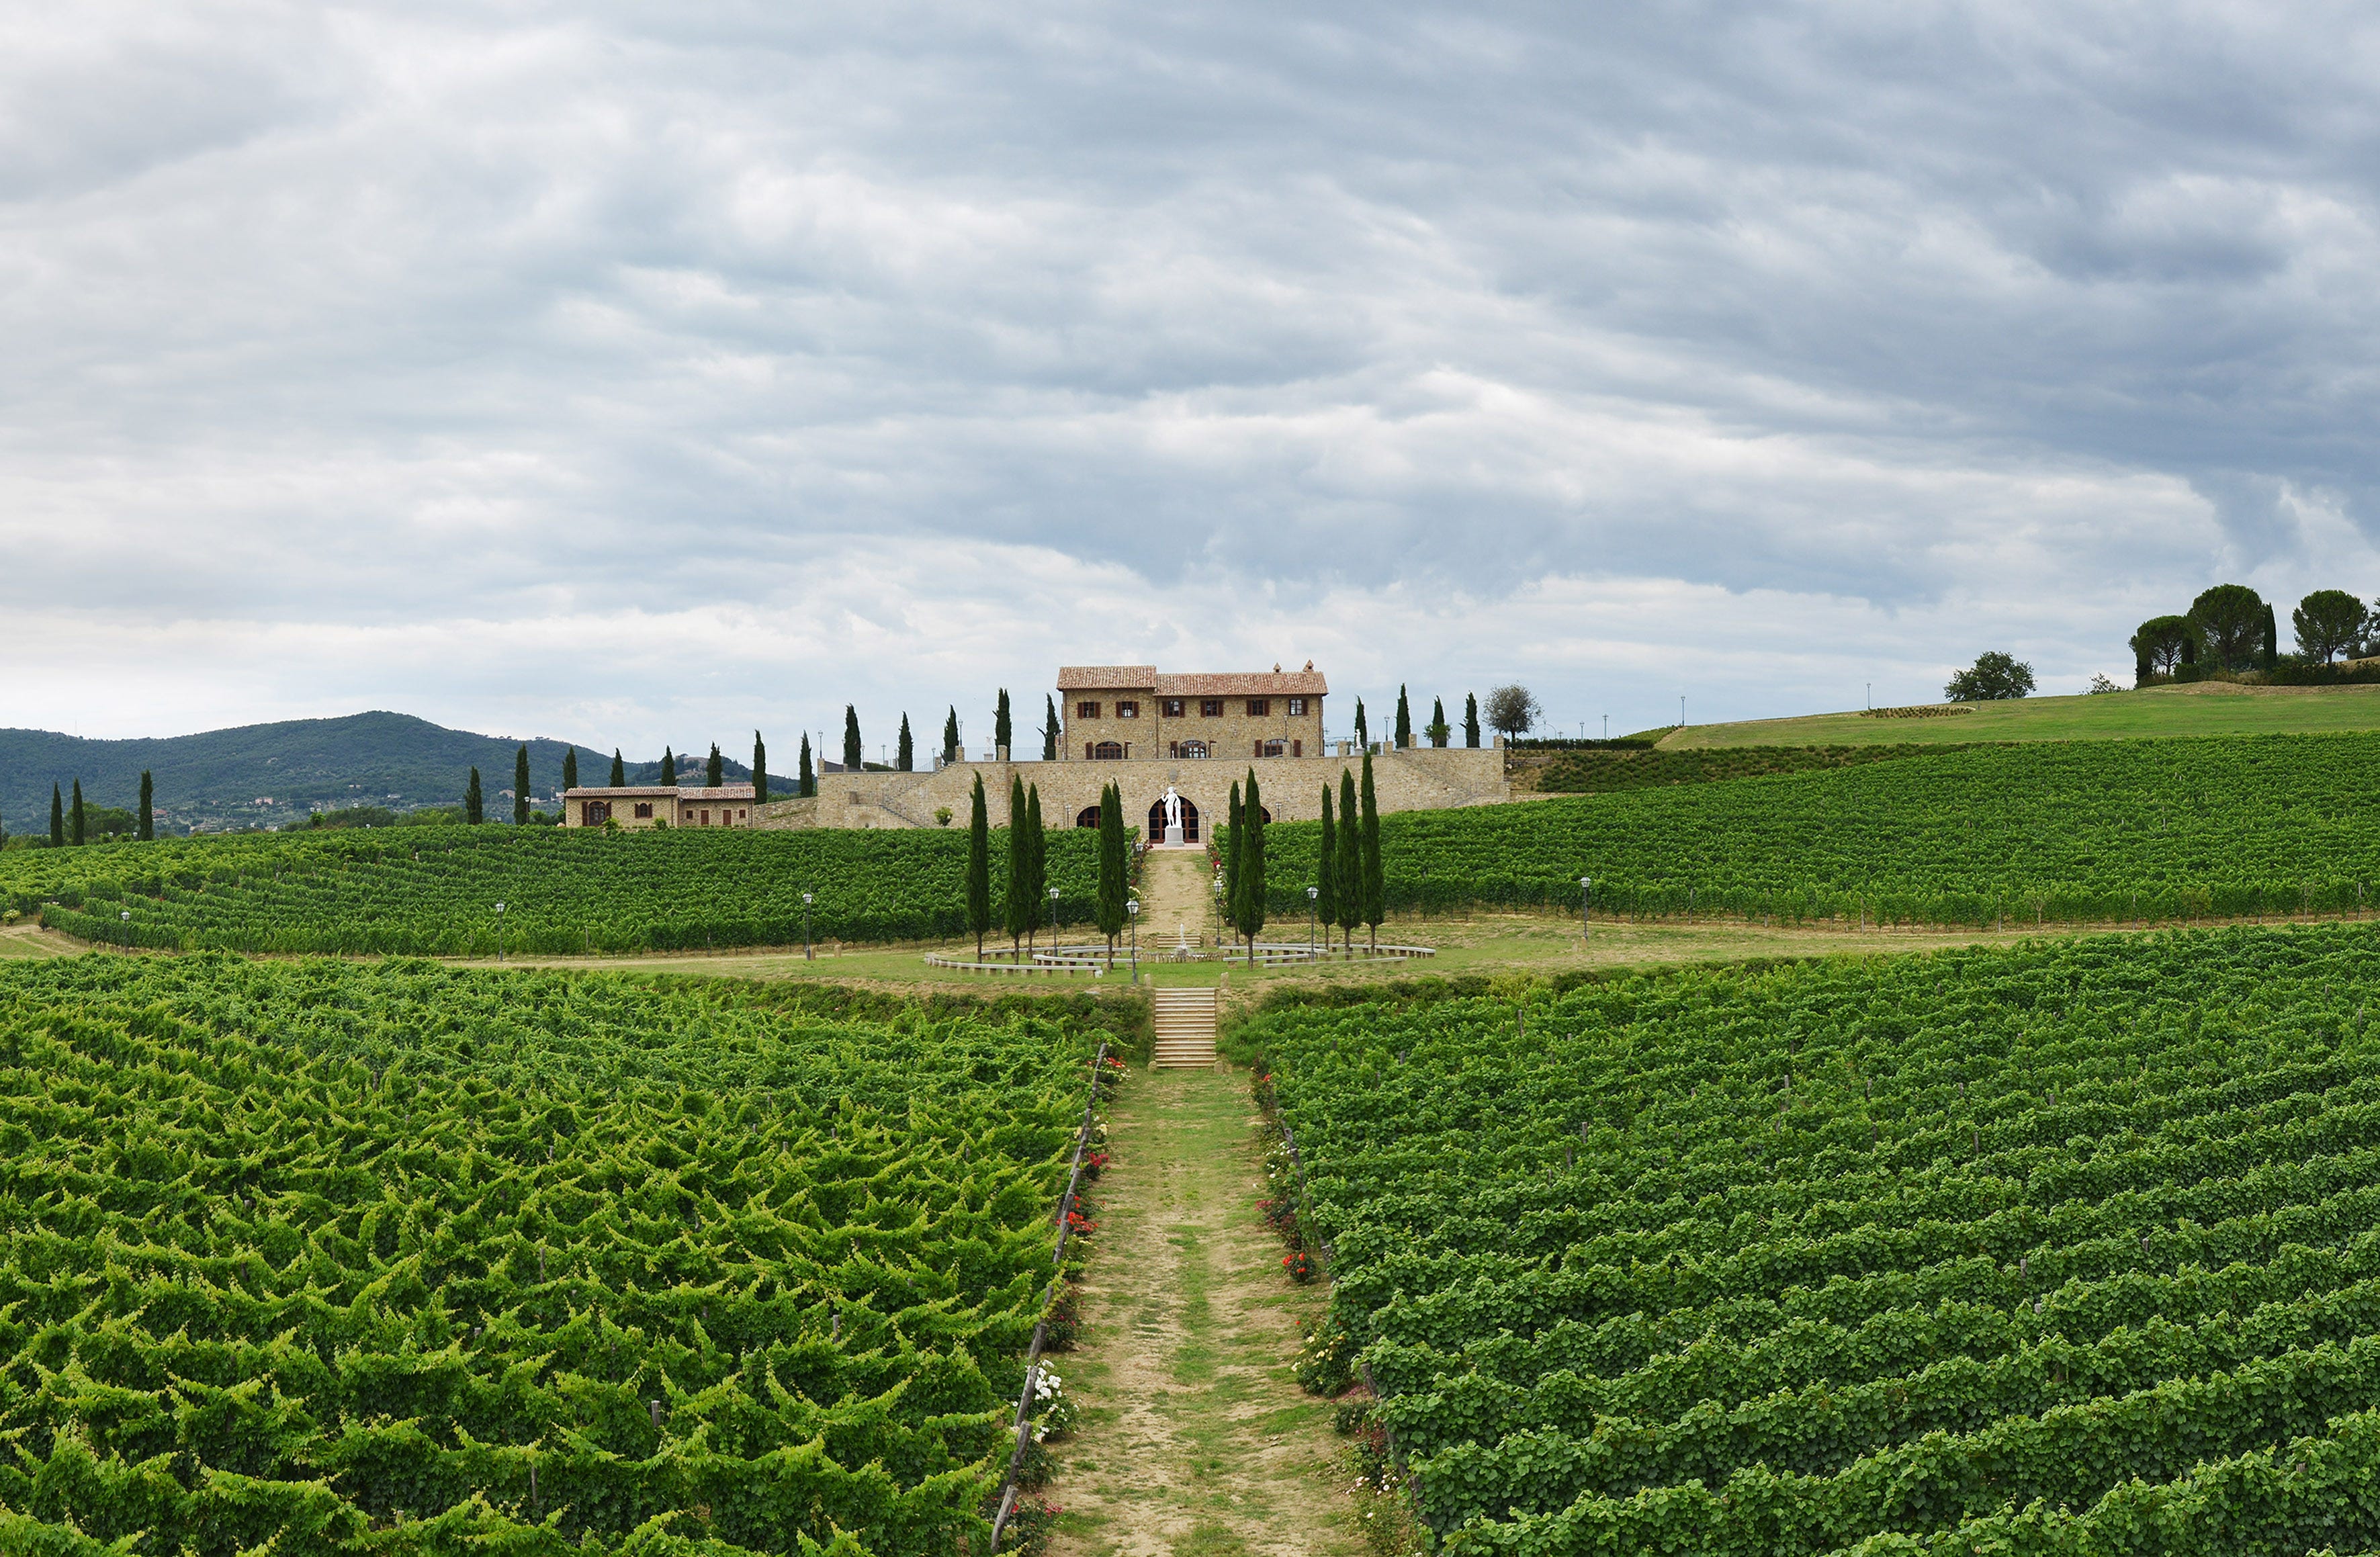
(1349, 888)
(2232, 628)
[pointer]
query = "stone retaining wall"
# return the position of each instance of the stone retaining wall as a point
(1427, 779)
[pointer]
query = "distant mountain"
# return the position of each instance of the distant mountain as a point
(272, 773)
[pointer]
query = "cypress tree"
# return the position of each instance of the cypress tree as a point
(1439, 730)
(1375, 887)
(569, 769)
(714, 769)
(806, 785)
(1252, 865)
(1112, 868)
(1016, 909)
(669, 767)
(1036, 867)
(1231, 860)
(57, 820)
(951, 735)
(852, 759)
(1363, 725)
(760, 770)
(148, 806)
(999, 727)
(2271, 638)
(520, 787)
(76, 815)
(978, 869)
(471, 810)
(905, 756)
(1471, 719)
(1049, 729)
(1404, 719)
(619, 769)
(1351, 860)
(1325, 870)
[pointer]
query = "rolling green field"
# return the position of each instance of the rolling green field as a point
(435, 892)
(336, 1256)
(2038, 833)
(2072, 1248)
(2207, 708)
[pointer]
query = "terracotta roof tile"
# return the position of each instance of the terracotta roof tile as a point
(1104, 678)
(691, 792)
(1245, 684)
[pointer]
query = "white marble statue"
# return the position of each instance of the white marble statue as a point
(1173, 809)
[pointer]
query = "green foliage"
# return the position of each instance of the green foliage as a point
(1512, 710)
(1614, 770)
(77, 819)
(294, 1256)
(1037, 863)
(619, 778)
(1404, 720)
(1001, 731)
(2329, 623)
(2048, 830)
(148, 823)
(714, 771)
(1363, 725)
(2063, 1248)
(760, 770)
(1993, 678)
(2230, 621)
(951, 735)
(473, 808)
(1114, 867)
(807, 779)
(853, 760)
(979, 869)
(1348, 879)
(520, 784)
(1375, 907)
(1326, 867)
(2164, 642)
(904, 754)
(432, 891)
(1250, 886)
(1049, 729)
(1233, 835)
(1016, 902)
(57, 820)
(1438, 731)
(669, 766)
(1471, 719)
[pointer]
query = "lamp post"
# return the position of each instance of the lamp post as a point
(500, 933)
(1312, 895)
(809, 953)
(1131, 917)
(1054, 920)
(1585, 885)
(1218, 908)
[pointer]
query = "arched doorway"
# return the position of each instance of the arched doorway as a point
(1156, 834)
(1087, 817)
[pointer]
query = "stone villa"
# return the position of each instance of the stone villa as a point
(659, 805)
(1115, 713)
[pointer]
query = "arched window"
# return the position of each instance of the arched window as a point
(1156, 834)
(1195, 751)
(594, 813)
(1087, 817)
(1107, 752)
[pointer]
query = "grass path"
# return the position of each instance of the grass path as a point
(1195, 1439)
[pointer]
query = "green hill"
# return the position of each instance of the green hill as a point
(218, 778)
(2207, 708)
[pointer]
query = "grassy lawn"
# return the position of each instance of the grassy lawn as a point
(2205, 708)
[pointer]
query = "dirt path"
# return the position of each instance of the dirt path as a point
(1174, 897)
(1195, 1439)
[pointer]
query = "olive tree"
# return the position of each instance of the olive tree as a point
(1993, 678)
(1511, 710)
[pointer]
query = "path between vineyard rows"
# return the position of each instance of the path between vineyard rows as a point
(1196, 1438)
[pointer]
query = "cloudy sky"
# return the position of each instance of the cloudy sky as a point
(631, 373)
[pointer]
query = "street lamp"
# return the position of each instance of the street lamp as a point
(1054, 920)
(1585, 885)
(1132, 913)
(809, 953)
(1312, 895)
(500, 933)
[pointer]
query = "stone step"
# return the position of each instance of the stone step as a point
(1185, 1020)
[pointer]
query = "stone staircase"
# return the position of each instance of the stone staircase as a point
(1185, 1028)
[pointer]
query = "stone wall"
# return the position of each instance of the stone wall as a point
(1427, 779)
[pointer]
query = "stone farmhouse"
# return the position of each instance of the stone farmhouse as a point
(1144, 730)
(659, 805)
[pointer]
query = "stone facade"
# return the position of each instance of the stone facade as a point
(656, 805)
(1427, 778)
(1134, 713)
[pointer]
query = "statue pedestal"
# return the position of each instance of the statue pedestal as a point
(1173, 834)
